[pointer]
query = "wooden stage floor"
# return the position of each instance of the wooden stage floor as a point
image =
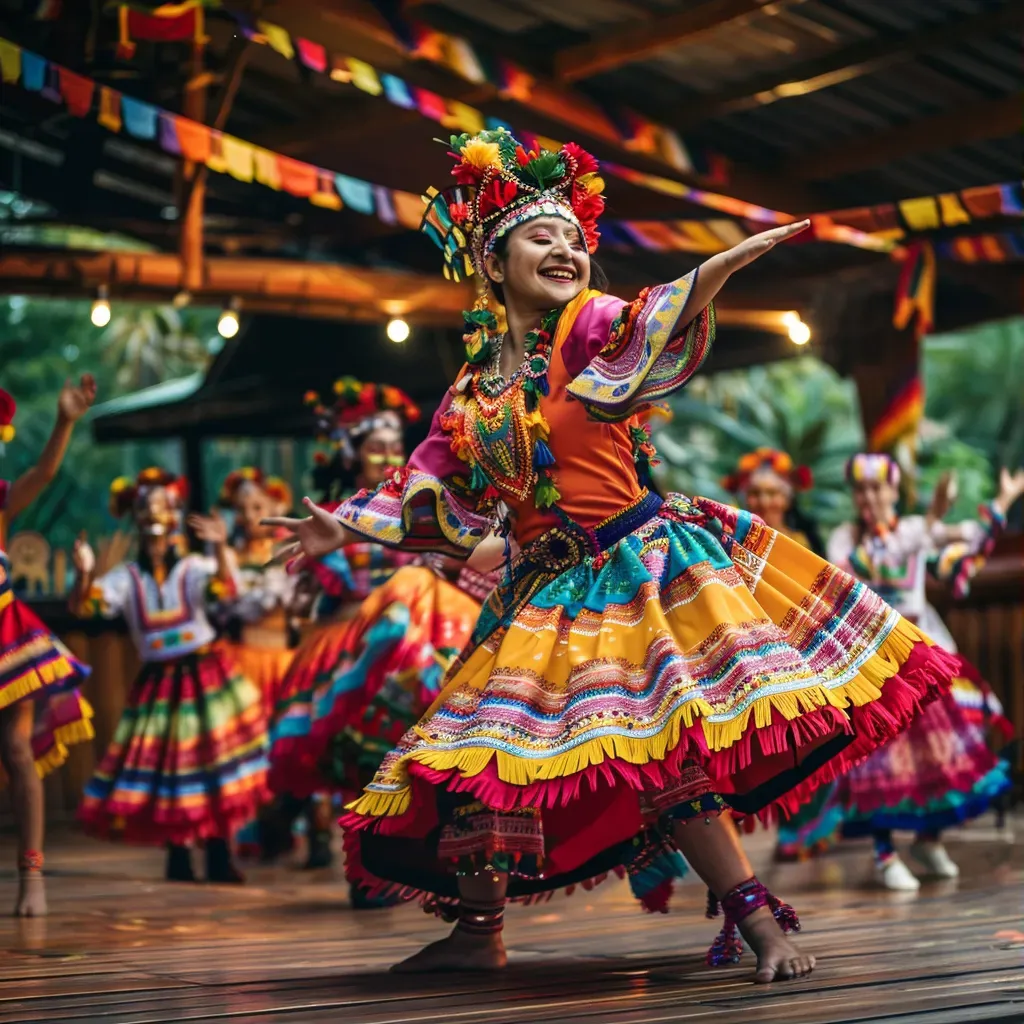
(121, 945)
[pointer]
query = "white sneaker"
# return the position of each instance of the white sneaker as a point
(893, 874)
(934, 859)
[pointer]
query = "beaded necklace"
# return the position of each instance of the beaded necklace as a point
(499, 429)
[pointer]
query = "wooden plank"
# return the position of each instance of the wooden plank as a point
(849, 62)
(125, 946)
(629, 43)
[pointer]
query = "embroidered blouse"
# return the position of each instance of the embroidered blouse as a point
(609, 361)
(262, 590)
(896, 563)
(165, 620)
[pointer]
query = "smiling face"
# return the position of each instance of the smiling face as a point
(380, 454)
(544, 265)
(876, 501)
(769, 496)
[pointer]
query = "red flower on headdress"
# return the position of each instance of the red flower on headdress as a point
(588, 209)
(497, 195)
(467, 174)
(523, 157)
(585, 163)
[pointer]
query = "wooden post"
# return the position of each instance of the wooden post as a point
(194, 191)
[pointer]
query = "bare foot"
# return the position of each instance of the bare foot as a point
(31, 895)
(777, 958)
(458, 952)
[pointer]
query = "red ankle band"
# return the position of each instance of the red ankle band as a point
(30, 860)
(481, 919)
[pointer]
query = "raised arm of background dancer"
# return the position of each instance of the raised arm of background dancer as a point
(74, 402)
(714, 272)
(213, 530)
(1011, 487)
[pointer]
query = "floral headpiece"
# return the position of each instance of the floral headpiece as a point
(8, 407)
(872, 466)
(359, 409)
(771, 460)
(500, 186)
(125, 492)
(273, 486)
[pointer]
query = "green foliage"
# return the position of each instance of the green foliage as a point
(974, 386)
(799, 406)
(150, 344)
(42, 343)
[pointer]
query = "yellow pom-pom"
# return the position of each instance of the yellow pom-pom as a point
(7, 433)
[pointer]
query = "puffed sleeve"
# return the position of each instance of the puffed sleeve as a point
(108, 596)
(204, 586)
(624, 356)
(427, 505)
(962, 549)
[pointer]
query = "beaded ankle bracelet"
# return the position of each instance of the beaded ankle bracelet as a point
(737, 905)
(30, 860)
(482, 919)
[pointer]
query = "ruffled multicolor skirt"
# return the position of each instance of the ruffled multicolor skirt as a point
(944, 770)
(383, 672)
(188, 758)
(680, 659)
(265, 667)
(36, 666)
(937, 774)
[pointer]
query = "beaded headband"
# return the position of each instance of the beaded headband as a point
(500, 186)
(126, 492)
(273, 486)
(359, 409)
(770, 460)
(871, 466)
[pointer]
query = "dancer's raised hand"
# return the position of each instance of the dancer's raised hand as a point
(317, 535)
(757, 245)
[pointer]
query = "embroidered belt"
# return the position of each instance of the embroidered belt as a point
(565, 546)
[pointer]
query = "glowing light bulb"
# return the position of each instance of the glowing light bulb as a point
(227, 325)
(100, 312)
(790, 317)
(799, 333)
(397, 330)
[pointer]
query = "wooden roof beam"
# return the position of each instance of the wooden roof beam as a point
(843, 65)
(629, 44)
(972, 122)
(277, 286)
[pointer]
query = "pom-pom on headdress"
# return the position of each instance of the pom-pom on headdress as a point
(873, 466)
(125, 492)
(501, 185)
(768, 460)
(8, 407)
(273, 486)
(359, 409)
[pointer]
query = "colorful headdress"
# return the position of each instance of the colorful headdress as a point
(873, 466)
(126, 492)
(501, 185)
(8, 407)
(770, 460)
(273, 486)
(358, 410)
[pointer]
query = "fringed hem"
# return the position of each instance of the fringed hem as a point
(140, 828)
(64, 737)
(32, 680)
(906, 672)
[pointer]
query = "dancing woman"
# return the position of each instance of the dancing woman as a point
(391, 646)
(646, 664)
(41, 709)
(187, 763)
(940, 771)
